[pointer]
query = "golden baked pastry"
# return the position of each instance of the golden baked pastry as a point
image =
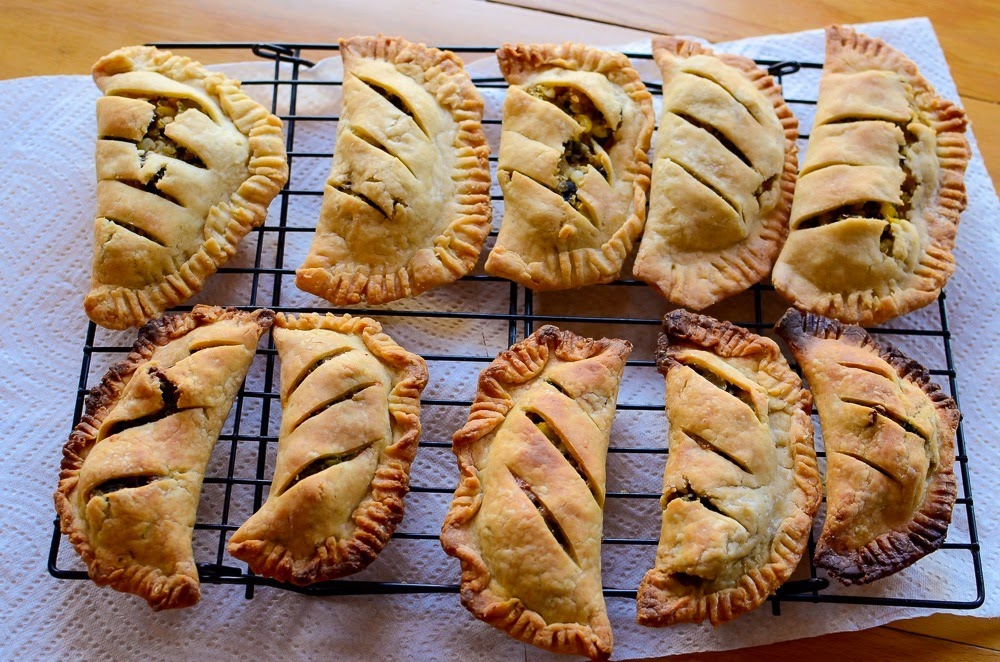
(890, 449)
(576, 127)
(186, 166)
(741, 485)
(723, 174)
(350, 425)
(526, 520)
(880, 192)
(133, 466)
(407, 204)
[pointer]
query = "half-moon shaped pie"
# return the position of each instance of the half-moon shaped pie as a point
(526, 520)
(576, 127)
(350, 425)
(186, 166)
(133, 466)
(407, 204)
(890, 449)
(880, 192)
(723, 174)
(741, 485)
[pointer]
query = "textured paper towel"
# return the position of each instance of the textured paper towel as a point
(47, 205)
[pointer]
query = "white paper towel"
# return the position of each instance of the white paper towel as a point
(47, 206)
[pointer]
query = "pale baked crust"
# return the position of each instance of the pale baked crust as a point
(349, 394)
(575, 201)
(526, 520)
(741, 484)
(890, 446)
(175, 195)
(724, 168)
(881, 189)
(132, 469)
(407, 204)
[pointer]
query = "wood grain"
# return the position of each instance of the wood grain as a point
(67, 36)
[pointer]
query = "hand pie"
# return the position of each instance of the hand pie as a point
(133, 466)
(890, 449)
(186, 166)
(350, 424)
(723, 175)
(407, 204)
(741, 485)
(880, 192)
(576, 127)
(526, 521)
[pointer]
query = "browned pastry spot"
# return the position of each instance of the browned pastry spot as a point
(890, 440)
(132, 469)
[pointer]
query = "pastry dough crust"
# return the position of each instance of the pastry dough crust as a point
(723, 175)
(890, 446)
(526, 520)
(881, 190)
(573, 169)
(187, 165)
(741, 484)
(133, 467)
(407, 204)
(350, 427)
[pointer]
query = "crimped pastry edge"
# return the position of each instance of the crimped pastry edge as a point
(656, 606)
(927, 530)
(377, 516)
(749, 261)
(597, 264)
(159, 590)
(457, 248)
(937, 261)
(118, 307)
(513, 367)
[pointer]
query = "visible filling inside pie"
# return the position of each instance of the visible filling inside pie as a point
(122, 483)
(169, 395)
(590, 148)
(729, 387)
(156, 140)
(321, 407)
(550, 433)
(394, 99)
(550, 521)
(892, 214)
(323, 463)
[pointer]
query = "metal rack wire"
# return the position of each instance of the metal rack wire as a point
(756, 309)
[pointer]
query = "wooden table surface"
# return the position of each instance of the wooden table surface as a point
(67, 36)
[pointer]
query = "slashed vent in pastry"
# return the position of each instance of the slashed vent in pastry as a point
(741, 484)
(406, 206)
(890, 449)
(576, 127)
(186, 166)
(879, 195)
(350, 425)
(526, 520)
(723, 175)
(133, 466)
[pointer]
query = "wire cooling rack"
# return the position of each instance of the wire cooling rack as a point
(238, 476)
